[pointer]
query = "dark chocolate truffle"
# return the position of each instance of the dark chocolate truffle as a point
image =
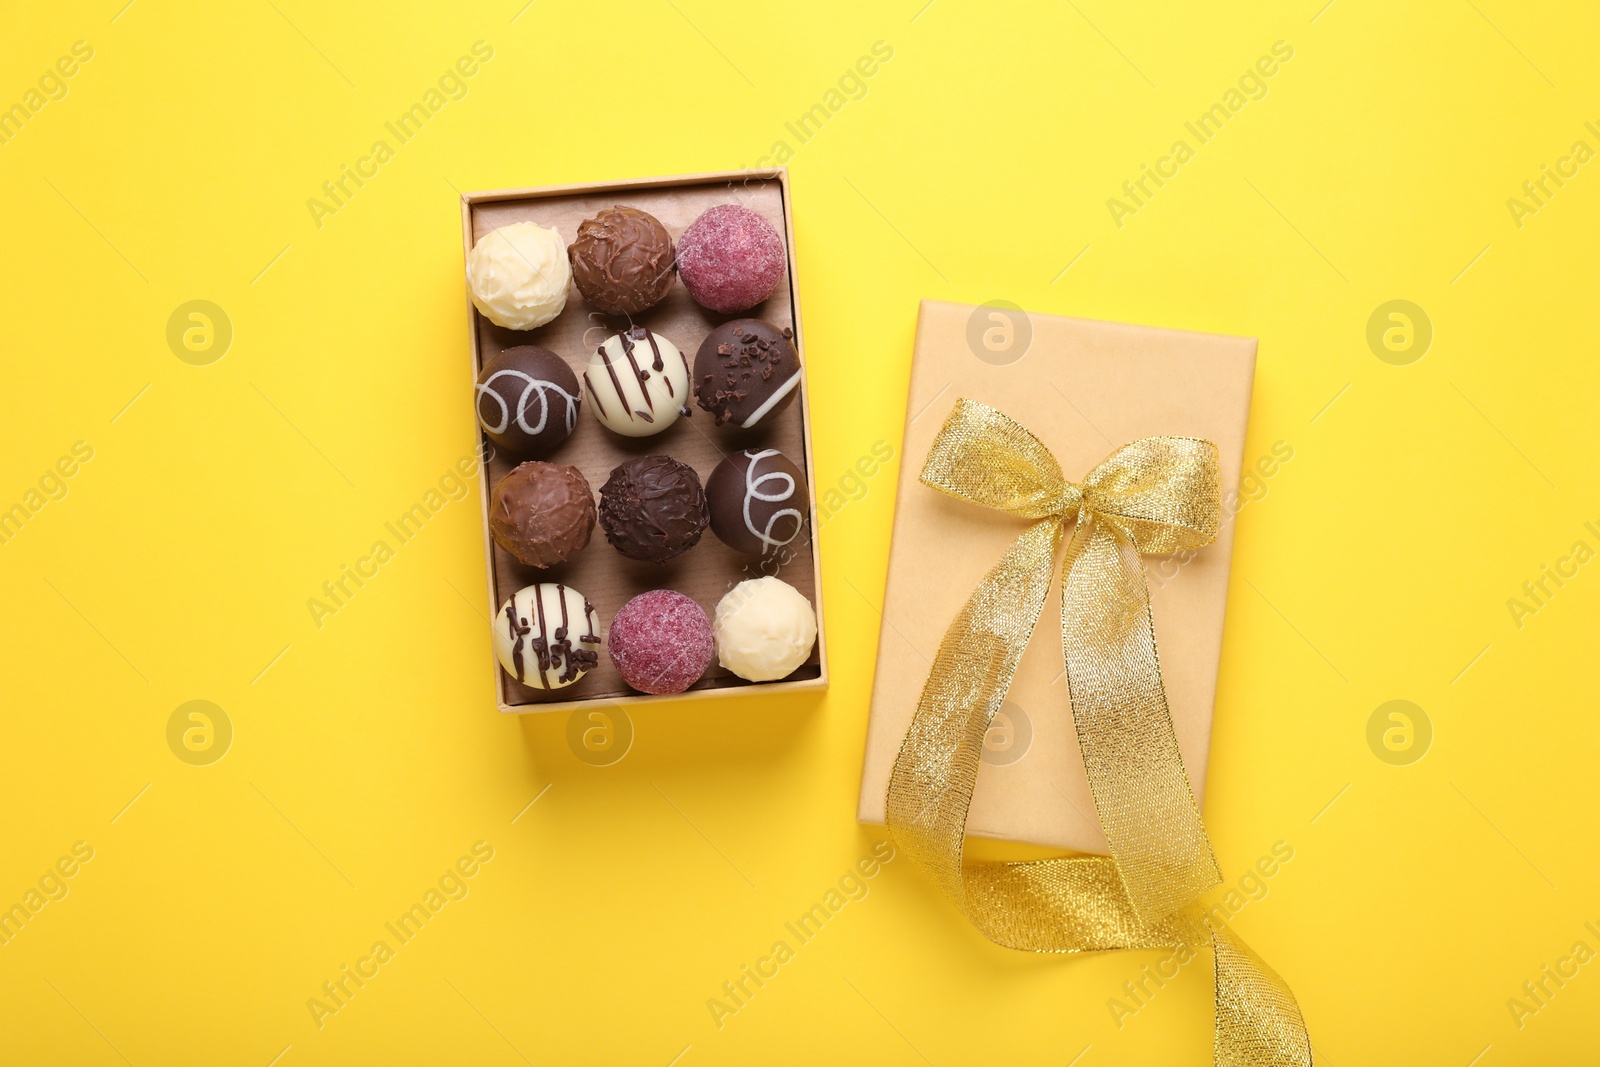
(746, 372)
(527, 400)
(731, 258)
(542, 513)
(661, 642)
(653, 508)
(758, 501)
(622, 261)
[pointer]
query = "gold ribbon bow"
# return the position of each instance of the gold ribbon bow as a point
(1155, 495)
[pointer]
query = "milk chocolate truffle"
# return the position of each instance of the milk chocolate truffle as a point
(764, 629)
(637, 383)
(622, 261)
(758, 501)
(746, 372)
(547, 635)
(653, 508)
(542, 513)
(518, 275)
(527, 400)
(730, 259)
(660, 642)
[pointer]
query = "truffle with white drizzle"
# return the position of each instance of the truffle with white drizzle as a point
(547, 636)
(758, 501)
(527, 400)
(637, 383)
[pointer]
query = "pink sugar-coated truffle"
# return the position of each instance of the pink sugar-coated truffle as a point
(730, 259)
(661, 642)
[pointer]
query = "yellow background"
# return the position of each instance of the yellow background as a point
(367, 756)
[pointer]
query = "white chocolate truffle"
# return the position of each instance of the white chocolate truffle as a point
(519, 275)
(547, 635)
(637, 383)
(764, 629)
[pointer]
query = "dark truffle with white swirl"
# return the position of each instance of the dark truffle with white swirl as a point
(758, 501)
(637, 383)
(746, 372)
(527, 400)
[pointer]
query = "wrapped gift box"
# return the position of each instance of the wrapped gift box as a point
(1084, 388)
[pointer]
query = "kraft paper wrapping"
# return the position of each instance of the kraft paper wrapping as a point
(1084, 388)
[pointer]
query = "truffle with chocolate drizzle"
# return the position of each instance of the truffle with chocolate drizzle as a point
(637, 383)
(547, 635)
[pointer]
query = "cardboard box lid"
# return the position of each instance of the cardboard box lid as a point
(1084, 388)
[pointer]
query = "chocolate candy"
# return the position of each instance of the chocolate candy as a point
(518, 275)
(547, 635)
(661, 642)
(764, 629)
(730, 259)
(758, 501)
(653, 508)
(527, 400)
(637, 383)
(622, 261)
(746, 372)
(542, 513)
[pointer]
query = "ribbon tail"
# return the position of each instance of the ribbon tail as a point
(1258, 1020)
(1119, 708)
(930, 789)
(1067, 904)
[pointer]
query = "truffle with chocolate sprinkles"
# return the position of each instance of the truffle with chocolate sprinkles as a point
(653, 508)
(746, 371)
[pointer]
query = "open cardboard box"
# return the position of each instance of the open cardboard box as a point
(606, 577)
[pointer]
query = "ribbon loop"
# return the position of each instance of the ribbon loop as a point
(984, 457)
(1157, 494)
(1163, 492)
